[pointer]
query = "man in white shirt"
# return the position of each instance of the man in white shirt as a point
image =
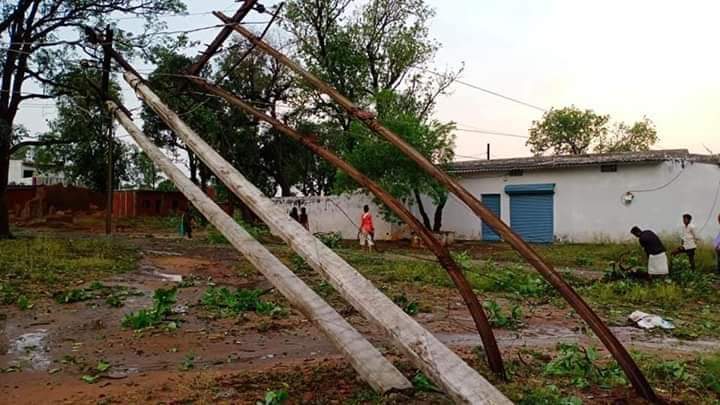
(689, 241)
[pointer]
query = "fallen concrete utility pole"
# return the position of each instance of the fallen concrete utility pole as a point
(611, 342)
(442, 365)
(441, 252)
(365, 358)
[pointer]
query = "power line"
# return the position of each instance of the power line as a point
(481, 131)
(491, 92)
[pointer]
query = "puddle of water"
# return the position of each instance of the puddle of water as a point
(175, 278)
(31, 348)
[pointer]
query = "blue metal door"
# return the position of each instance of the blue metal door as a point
(492, 202)
(532, 211)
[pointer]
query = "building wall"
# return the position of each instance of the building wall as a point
(589, 204)
(134, 203)
(17, 168)
(339, 214)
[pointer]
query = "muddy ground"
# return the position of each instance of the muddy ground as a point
(52, 352)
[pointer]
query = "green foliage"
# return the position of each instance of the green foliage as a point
(298, 263)
(188, 362)
(34, 267)
(498, 319)
(333, 240)
(571, 130)
(579, 365)
(114, 295)
(163, 299)
(227, 303)
(276, 397)
(23, 303)
(710, 372)
(549, 395)
(410, 307)
(422, 383)
(510, 279)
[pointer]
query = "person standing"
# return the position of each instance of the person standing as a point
(716, 244)
(294, 214)
(303, 219)
(187, 220)
(367, 230)
(689, 241)
(654, 250)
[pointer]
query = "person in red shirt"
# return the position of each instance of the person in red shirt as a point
(367, 230)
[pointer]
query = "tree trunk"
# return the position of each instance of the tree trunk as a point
(437, 226)
(421, 208)
(5, 131)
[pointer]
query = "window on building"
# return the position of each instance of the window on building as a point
(515, 172)
(608, 168)
(28, 173)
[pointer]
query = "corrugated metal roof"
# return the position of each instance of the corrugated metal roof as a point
(567, 161)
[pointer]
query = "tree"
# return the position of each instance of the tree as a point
(567, 130)
(573, 131)
(394, 171)
(142, 172)
(378, 57)
(78, 136)
(44, 38)
(625, 138)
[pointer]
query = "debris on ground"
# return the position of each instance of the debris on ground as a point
(649, 321)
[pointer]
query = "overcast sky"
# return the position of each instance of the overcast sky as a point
(628, 59)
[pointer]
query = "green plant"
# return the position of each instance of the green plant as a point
(410, 307)
(98, 372)
(422, 383)
(163, 299)
(463, 259)
(330, 239)
(670, 371)
(579, 364)
(299, 264)
(23, 303)
(188, 362)
(276, 397)
(549, 395)
(228, 303)
(498, 319)
(710, 372)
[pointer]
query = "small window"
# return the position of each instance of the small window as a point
(28, 173)
(608, 168)
(515, 172)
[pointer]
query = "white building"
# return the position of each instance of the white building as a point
(589, 198)
(23, 172)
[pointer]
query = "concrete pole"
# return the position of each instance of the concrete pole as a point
(438, 362)
(365, 358)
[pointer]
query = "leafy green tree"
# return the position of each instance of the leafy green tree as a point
(568, 130)
(573, 131)
(142, 172)
(78, 136)
(378, 55)
(44, 38)
(629, 138)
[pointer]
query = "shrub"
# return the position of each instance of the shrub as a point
(163, 299)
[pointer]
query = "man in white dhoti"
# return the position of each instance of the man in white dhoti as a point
(655, 251)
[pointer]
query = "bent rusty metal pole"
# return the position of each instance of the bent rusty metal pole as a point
(610, 341)
(492, 351)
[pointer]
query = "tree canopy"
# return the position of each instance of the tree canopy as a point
(573, 131)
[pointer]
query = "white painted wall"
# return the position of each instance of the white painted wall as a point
(16, 173)
(589, 206)
(338, 214)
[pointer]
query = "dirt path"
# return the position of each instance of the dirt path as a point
(46, 351)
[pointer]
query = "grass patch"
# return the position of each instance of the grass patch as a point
(35, 267)
(114, 295)
(227, 303)
(163, 299)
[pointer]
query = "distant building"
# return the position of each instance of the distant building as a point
(148, 203)
(588, 198)
(24, 173)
